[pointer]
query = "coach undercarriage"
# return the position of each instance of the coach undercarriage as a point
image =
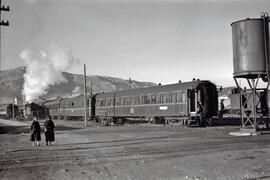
(182, 121)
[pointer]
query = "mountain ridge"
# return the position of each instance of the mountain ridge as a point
(12, 80)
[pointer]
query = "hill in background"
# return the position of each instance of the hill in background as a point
(12, 80)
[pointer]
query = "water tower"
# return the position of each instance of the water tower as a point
(252, 65)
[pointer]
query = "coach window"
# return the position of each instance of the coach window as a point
(161, 98)
(153, 99)
(183, 97)
(137, 99)
(120, 101)
(174, 97)
(103, 102)
(111, 102)
(168, 98)
(108, 101)
(144, 99)
(126, 101)
(134, 101)
(123, 101)
(117, 101)
(129, 100)
(149, 99)
(179, 97)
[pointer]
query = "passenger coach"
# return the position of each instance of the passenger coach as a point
(160, 104)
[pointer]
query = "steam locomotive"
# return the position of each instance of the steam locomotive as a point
(173, 103)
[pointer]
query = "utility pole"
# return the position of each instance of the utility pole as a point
(14, 102)
(2, 23)
(130, 83)
(86, 109)
(91, 93)
(13, 112)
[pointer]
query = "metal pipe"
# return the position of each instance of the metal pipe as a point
(0, 37)
(266, 40)
(266, 51)
(253, 104)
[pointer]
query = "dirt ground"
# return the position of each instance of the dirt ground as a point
(133, 152)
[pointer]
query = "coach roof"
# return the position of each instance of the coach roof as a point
(154, 89)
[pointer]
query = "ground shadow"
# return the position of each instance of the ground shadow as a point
(26, 129)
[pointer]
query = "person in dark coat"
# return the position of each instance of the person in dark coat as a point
(222, 109)
(49, 131)
(35, 132)
(200, 114)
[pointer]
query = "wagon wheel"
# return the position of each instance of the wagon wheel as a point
(187, 122)
(209, 121)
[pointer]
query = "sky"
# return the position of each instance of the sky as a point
(146, 40)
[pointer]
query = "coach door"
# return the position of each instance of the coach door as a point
(191, 102)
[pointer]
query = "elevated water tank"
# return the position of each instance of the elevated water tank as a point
(249, 48)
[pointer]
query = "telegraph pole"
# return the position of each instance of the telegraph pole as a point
(130, 83)
(2, 23)
(86, 109)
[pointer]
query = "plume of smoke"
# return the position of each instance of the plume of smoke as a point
(77, 90)
(44, 69)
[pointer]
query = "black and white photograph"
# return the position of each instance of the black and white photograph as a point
(134, 89)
